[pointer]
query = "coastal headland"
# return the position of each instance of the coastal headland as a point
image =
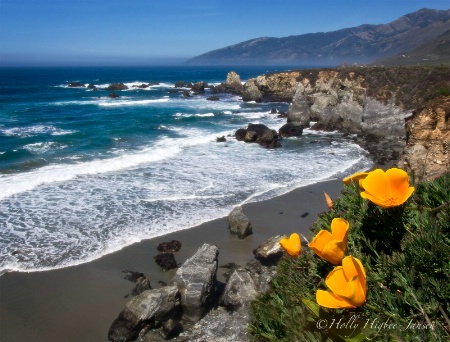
(400, 115)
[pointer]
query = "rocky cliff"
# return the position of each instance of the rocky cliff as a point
(373, 103)
(427, 151)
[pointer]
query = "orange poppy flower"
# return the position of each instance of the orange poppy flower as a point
(331, 246)
(292, 245)
(387, 189)
(347, 284)
(355, 177)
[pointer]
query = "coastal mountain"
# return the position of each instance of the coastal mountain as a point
(361, 44)
(432, 52)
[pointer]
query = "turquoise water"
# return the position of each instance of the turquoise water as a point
(83, 175)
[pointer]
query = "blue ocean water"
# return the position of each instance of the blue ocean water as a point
(83, 175)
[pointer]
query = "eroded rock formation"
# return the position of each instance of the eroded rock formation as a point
(427, 152)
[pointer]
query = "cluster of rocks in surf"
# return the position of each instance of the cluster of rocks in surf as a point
(195, 306)
(354, 102)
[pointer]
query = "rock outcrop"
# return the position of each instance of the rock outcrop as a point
(427, 152)
(272, 87)
(239, 291)
(149, 309)
(290, 130)
(232, 85)
(117, 86)
(238, 223)
(251, 91)
(154, 315)
(259, 133)
(269, 252)
(196, 280)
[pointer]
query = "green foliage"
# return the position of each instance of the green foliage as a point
(406, 254)
(444, 91)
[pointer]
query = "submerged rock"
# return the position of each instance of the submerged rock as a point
(76, 85)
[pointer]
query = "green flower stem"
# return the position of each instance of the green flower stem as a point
(375, 309)
(431, 210)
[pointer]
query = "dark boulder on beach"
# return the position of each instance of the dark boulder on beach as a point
(147, 310)
(117, 86)
(221, 139)
(166, 261)
(291, 130)
(213, 98)
(76, 85)
(238, 223)
(171, 246)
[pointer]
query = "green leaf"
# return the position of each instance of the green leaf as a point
(315, 308)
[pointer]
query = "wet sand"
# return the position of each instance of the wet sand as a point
(79, 303)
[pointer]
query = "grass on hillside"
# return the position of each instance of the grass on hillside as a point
(405, 251)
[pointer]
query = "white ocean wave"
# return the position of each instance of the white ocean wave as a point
(30, 131)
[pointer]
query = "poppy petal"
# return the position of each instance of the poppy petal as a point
(320, 241)
(354, 268)
(292, 245)
(398, 181)
(330, 300)
(339, 229)
(355, 177)
(353, 293)
(334, 251)
(336, 279)
(376, 185)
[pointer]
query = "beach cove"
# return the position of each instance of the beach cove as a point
(79, 303)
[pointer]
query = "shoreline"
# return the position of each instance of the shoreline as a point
(79, 303)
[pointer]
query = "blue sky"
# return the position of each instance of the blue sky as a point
(127, 32)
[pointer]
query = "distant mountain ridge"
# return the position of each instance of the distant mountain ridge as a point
(361, 44)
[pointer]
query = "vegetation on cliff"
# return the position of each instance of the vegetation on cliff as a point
(404, 250)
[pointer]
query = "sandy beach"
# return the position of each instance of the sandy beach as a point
(79, 303)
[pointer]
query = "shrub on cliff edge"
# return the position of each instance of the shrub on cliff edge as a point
(405, 252)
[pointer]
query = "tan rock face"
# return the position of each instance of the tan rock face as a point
(280, 86)
(233, 79)
(427, 151)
